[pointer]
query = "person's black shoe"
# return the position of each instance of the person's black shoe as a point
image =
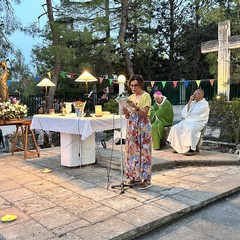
(103, 142)
(190, 153)
(119, 142)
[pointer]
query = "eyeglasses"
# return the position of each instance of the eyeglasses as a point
(134, 85)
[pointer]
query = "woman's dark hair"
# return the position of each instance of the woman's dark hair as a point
(38, 109)
(139, 78)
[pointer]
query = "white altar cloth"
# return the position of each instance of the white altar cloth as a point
(77, 134)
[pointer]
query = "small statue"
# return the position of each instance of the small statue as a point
(3, 82)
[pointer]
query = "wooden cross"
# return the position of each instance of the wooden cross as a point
(223, 46)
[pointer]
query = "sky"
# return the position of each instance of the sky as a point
(28, 12)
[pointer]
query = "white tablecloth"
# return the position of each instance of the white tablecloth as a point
(72, 124)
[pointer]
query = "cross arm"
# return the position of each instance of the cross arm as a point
(210, 46)
(234, 42)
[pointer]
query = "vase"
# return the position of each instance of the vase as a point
(78, 111)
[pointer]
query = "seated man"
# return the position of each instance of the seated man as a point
(161, 115)
(184, 136)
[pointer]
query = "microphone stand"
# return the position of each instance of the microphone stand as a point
(122, 184)
(87, 114)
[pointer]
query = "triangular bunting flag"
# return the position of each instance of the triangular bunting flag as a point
(63, 74)
(100, 79)
(211, 81)
(175, 83)
(198, 82)
(71, 75)
(152, 83)
(49, 74)
(37, 78)
(110, 80)
(186, 82)
(8, 82)
(54, 71)
(164, 83)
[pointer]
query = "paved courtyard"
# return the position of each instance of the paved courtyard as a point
(79, 203)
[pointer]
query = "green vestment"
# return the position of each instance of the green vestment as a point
(160, 117)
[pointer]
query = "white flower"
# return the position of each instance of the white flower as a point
(12, 109)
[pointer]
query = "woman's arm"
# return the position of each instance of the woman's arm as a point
(142, 111)
(126, 113)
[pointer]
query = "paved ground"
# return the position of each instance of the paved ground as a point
(218, 221)
(79, 203)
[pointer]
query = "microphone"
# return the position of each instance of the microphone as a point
(89, 95)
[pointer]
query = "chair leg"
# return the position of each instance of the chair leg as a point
(14, 142)
(26, 151)
(25, 140)
(35, 143)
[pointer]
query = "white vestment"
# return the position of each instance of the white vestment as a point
(186, 134)
(117, 134)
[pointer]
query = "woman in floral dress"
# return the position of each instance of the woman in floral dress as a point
(139, 140)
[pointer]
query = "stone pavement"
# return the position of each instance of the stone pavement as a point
(79, 203)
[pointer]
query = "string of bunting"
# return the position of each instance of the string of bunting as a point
(186, 82)
(71, 76)
(105, 77)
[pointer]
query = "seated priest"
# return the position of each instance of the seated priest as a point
(184, 136)
(161, 115)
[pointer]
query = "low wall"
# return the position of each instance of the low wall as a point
(177, 110)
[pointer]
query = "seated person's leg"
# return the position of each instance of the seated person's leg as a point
(192, 135)
(157, 134)
(175, 137)
(118, 135)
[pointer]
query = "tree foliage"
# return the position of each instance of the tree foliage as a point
(159, 39)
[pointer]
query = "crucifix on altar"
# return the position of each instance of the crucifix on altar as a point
(223, 46)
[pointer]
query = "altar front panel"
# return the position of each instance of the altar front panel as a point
(75, 152)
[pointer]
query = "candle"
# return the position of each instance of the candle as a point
(98, 110)
(51, 111)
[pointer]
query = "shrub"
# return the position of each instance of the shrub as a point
(226, 115)
(111, 106)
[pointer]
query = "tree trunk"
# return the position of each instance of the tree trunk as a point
(57, 57)
(121, 37)
(171, 41)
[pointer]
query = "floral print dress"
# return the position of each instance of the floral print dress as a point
(138, 156)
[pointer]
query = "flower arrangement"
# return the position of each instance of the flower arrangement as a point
(79, 104)
(12, 109)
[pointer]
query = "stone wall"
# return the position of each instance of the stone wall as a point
(19, 144)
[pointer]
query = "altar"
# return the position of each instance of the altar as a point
(77, 134)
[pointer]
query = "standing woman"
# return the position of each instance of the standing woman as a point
(139, 140)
